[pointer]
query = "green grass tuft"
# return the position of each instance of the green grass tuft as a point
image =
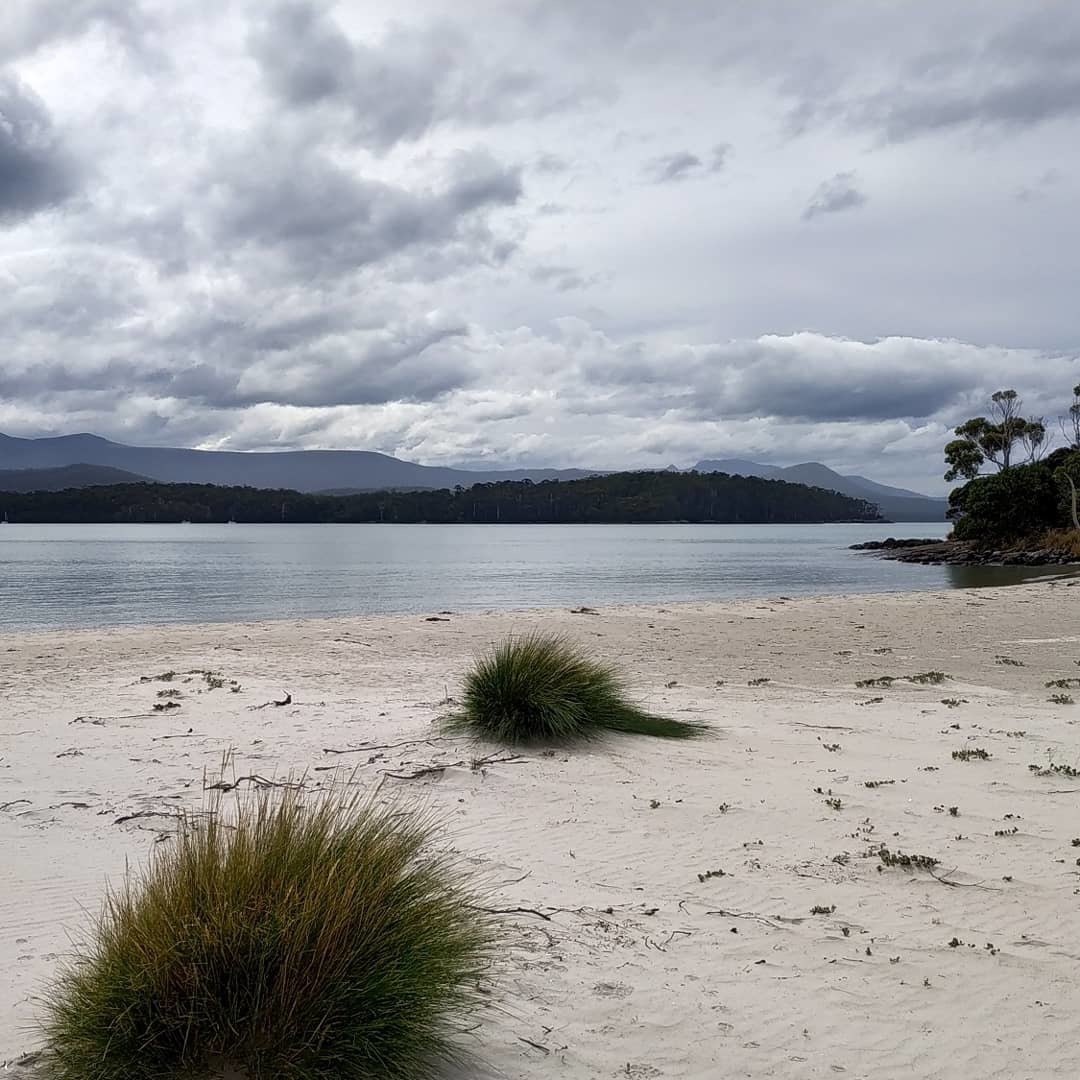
(541, 689)
(313, 937)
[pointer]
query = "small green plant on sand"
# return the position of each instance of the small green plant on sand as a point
(1062, 699)
(298, 935)
(907, 862)
(974, 753)
(928, 678)
(1055, 769)
(538, 689)
(884, 682)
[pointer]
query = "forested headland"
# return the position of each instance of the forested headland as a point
(1026, 511)
(630, 498)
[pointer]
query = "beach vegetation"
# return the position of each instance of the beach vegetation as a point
(906, 862)
(928, 678)
(972, 753)
(278, 934)
(541, 688)
(1053, 768)
(995, 438)
(1033, 496)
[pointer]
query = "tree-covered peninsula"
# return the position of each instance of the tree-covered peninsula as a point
(623, 498)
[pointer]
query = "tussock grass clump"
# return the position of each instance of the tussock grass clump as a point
(308, 937)
(542, 689)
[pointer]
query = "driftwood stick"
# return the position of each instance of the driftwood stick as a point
(536, 1046)
(144, 814)
(943, 878)
(382, 746)
(515, 911)
(286, 700)
(477, 763)
(255, 779)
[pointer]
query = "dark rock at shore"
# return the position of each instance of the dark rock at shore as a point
(892, 544)
(962, 553)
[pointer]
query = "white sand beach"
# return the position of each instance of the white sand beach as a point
(667, 888)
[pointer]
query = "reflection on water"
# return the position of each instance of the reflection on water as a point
(102, 575)
(984, 577)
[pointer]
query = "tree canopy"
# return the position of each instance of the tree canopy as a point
(994, 438)
(1021, 500)
(617, 498)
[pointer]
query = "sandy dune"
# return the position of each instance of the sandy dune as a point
(671, 886)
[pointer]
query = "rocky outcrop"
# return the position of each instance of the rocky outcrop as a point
(962, 553)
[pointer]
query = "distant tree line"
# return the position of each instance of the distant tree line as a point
(619, 498)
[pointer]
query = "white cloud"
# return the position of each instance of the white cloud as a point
(499, 233)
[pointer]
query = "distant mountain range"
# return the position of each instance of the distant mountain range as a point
(51, 464)
(897, 504)
(298, 470)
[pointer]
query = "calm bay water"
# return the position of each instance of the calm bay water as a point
(56, 576)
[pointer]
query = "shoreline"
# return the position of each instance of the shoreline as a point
(641, 964)
(964, 553)
(695, 607)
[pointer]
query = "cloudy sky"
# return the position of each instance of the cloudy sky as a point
(603, 233)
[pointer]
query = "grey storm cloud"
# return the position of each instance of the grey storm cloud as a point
(683, 164)
(1011, 75)
(833, 195)
(810, 378)
(235, 363)
(318, 217)
(35, 171)
(28, 24)
(402, 86)
(674, 166)
(1021, 103)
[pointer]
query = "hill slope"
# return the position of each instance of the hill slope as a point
(65, 476)
(616, 497)
(897, 504)
(299, 470)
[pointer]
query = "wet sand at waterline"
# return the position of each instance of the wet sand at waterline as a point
(669, 886)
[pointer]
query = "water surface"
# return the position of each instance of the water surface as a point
(54, 576)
